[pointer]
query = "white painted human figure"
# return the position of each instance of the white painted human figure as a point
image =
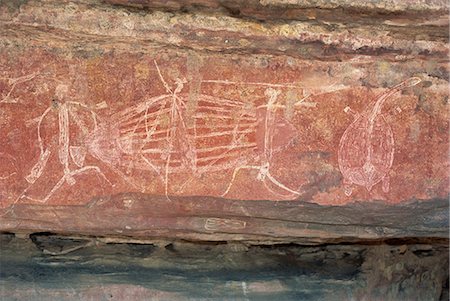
(366, 149)
(66, 152)
(267, 152)
(154, 135)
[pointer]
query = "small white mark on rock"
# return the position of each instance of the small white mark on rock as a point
(128, 203)
(244, 288)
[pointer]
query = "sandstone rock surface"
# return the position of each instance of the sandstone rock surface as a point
(212, 118)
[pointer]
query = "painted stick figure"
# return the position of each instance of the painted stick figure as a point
(224, 134)
(267, 153)
(67, 153)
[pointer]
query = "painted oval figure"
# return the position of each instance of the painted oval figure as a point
(366, 149)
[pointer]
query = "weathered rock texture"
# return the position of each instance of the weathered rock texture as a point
(105, 108)
(59, 268)
(224, 149)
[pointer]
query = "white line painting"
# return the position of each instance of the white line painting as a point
(160, 136)
(155, 135)
(224, 224)
(8, 166)
(12, 83)
(268, 148)
(9, 176)
(66, 152)
(366, 149)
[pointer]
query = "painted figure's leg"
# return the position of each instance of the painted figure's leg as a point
(281, 185)
(385, 183)
(39, 167)
(67, 178)
(347, 187)
(50, 194)
(236, 170)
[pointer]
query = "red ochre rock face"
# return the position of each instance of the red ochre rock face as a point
(241, 127)
(366, 149)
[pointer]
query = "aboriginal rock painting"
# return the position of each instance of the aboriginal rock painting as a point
(11, 84)
(157, 135)
(163, 137)
(67, 154)
(366, 149)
